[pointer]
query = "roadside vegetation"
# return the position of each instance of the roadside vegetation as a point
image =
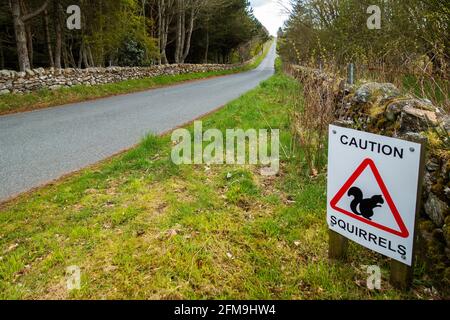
(140, 227)
(13, 103)
(410, 49)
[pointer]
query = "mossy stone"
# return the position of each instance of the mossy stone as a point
(446, 233)
(426, 226)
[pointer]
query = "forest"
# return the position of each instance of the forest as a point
(36, 33)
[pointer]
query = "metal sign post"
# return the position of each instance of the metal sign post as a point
(351, 74)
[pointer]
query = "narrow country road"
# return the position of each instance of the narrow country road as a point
(40, 146)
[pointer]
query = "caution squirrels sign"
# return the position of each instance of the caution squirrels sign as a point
(372, 190)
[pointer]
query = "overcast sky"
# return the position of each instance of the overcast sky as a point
(270, 13)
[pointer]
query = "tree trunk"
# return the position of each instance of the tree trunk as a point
(2, 56)
(80, 57)
(29, 44)
(166, 17)
(189, 35)
(71, 57)
(65, 56)
(144, 26)
(58, 33)
(159, 28)
(163, 30)
(21, 38)
(179, 31)
(183, 32)
(90, 57)
(19, 20)
(164, 41)
(85, 57)
(29, 34)
(207, 41)
(48, 40)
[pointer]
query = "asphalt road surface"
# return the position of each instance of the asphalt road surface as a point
(40, 146)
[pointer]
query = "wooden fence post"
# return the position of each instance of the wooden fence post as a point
(401, 274)
(337, 246)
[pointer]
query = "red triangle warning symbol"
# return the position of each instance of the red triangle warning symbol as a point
(368, 163)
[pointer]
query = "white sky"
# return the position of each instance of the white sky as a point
(270, 13)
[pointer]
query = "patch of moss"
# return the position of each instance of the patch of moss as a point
(446, 278)
(434, 140)
(435, 252)
(376, 110)
(447, 220)
(446, 230)
(438, 188)
(426, 225)
(396, 126)
(381, 123)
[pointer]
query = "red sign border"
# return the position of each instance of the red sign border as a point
(369, 163)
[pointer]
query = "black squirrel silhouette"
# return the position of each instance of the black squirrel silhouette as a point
(365, 206)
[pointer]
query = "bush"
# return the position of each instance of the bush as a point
(131, 53)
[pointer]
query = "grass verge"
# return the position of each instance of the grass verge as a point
(438, 91)
(14, 103)
(140, 227)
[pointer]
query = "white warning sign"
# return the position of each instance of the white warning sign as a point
(372, 190)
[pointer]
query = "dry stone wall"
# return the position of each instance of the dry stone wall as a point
(53, 79)
(383, 109)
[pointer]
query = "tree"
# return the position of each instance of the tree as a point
(20, 19)
(57, 8)
(191, 8)
(165, 16)
(131, 53)
(168, 31)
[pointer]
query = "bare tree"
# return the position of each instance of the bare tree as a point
(20, 18)
(47, 39)
(165, 16)
(181, 16)
(29, 34)
(191, 9)
(58, 32)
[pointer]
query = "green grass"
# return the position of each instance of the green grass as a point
(12, 103)
(140, 227)
(437, 92)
